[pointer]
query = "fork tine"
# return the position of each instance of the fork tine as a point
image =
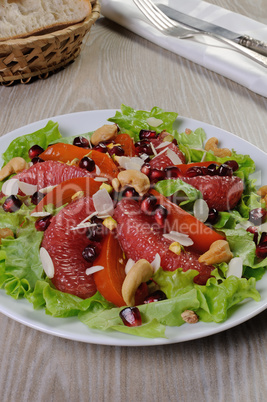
(148, 11)
(161, 16)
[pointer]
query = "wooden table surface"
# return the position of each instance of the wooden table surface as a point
(115, 67)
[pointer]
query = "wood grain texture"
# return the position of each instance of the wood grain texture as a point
(117, 67)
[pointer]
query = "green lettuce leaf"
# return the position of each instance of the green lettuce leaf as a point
(21, 145)
(131, 121)
(183, 193)
(193, 140)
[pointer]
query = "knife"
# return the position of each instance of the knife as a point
(192, 22)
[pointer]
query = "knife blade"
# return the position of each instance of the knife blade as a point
(200, 25)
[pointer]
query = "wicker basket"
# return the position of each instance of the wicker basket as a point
(22, 60)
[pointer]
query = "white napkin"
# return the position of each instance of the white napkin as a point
(202, 50)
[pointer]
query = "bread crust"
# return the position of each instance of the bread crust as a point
(43, 30)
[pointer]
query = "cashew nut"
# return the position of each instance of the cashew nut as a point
(104, 133)
(15, 165)
(189, 316)
(140, 272)
(219, 251)
(4, 233)
(133, 178)
(212, 145)
(263, 193)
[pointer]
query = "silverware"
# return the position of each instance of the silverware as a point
(192, 22)
(170, 28)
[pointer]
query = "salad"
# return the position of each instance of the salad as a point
(133, 227)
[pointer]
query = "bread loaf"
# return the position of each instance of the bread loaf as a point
(21, 18)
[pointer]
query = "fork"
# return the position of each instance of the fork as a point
(170, 28)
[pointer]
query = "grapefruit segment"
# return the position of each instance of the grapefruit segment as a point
(140, 237)
(65, 247)
(220, 192)
(50, 173)
(62, 193)
(163, 160)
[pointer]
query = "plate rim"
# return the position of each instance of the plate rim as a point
(120, 339)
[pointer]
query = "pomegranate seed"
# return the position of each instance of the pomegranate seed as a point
(156, 175)
(141, 143)
(96, 233)
(90, 253)
(155, 296)
(143, 149)
(254, 231)
(204, 170)
(144, 134)
(174, 141)
(161, 214)
(87, 163)
(201, 279)
(233, 164)
(95, 219)
(116, 150)
(35, 151)
(146, 169)
(101, 147)
(148, 205)
(263, 237)
(36, 159)
(37, 197)
(172, 172)
(42, 224)
(194, 171)
(212, 169)
(261, 250)
(81, 142)
(131, 317)
(225, 170)
(130, 192)
(213, 216)
(257, 216)
(12, 204)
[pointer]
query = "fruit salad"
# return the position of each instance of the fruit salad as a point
(133, 227)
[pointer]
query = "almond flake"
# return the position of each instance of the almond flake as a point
(163, 144)
(40, 214)
(47, 263)
(11, 187)
(100, 179)
(154, 122)
(173, 157)
(94, 269)
(181, 238)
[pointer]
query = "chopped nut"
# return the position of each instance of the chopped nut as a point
(77, 195)
(175, 247)
(218, 252)
(189, 316)
(4, 233)
(74, 162)
(110, 223)
(168, 138)
(212, 145)
(106, 186)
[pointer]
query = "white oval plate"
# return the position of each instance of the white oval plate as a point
(70, 328)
